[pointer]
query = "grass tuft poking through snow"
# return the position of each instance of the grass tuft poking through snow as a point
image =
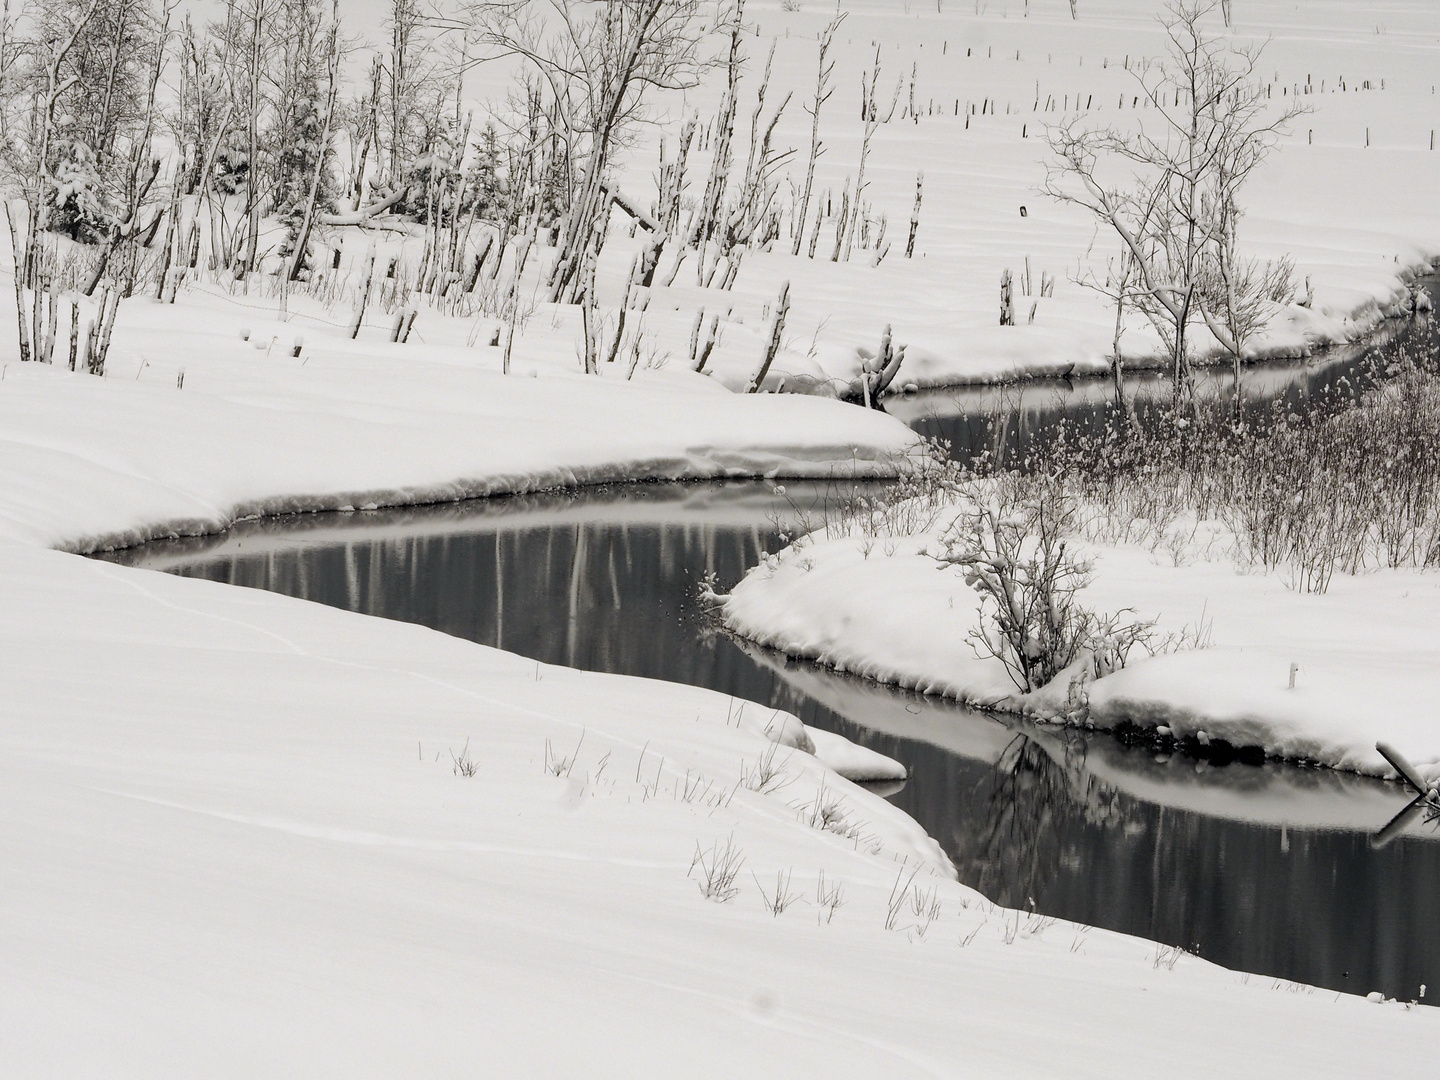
(718, 865)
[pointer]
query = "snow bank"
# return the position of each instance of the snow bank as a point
(239, 841)
(885, 609)
(87, 463)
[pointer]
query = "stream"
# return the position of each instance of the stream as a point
(1261, 868)
(1264, 868)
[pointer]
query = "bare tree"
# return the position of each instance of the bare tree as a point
(870, 115)
(823, 90)
(749, 218)
(1169, 190)
(601, 59)
(318, 154)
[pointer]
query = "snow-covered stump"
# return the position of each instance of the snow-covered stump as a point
(364, 296)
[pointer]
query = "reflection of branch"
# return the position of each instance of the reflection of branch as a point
(1427, 796)
(1039, 786)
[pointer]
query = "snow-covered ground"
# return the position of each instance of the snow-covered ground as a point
(238, 838)
(93, 462)
(236, 843)
(883, 606)
(1344, 194)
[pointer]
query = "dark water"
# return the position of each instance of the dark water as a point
(1260, 868)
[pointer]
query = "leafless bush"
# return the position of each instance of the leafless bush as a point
(1012, 548)
(464, 764)
(767, 774)
(1354, 486)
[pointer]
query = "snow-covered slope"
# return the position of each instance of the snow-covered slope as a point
(88, 462)
(236, 844)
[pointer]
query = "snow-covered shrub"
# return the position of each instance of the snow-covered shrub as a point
(1013, 548)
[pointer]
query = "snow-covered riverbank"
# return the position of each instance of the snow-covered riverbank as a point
(98, 462)
(247, 835)
(883, 607)
(237, 843)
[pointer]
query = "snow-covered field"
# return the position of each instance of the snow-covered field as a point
(237, 841)
(1347, 193)
(239, 838)
(885, 608)
(98, 462)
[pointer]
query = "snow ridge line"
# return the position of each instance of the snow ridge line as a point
(699, 467)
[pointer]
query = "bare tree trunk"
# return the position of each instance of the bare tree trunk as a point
(915, 214)
(74, 331)
(302, 238)
(172, 230)
(364, 297)
(782, 308)
(872, 121)
(372, 135)
(20, 258)
(252, 174)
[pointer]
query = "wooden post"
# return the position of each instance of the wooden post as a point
(167, 253)
(695, 335)
(364, 292)
(74, 330)
(52, 304)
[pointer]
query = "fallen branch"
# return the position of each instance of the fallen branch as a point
(359, 217)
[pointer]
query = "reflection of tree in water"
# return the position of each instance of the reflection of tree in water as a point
(1036, 792)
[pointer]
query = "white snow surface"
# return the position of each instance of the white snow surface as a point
(887, 609)
(88, 463)
(236, 844)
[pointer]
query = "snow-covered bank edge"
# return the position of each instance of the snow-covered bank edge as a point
(1356, 323)
(493, 487)
(886, 610)
(88, 464)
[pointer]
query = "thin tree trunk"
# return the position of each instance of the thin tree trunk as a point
(302, 238)
(19, 259)
(782, 308)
